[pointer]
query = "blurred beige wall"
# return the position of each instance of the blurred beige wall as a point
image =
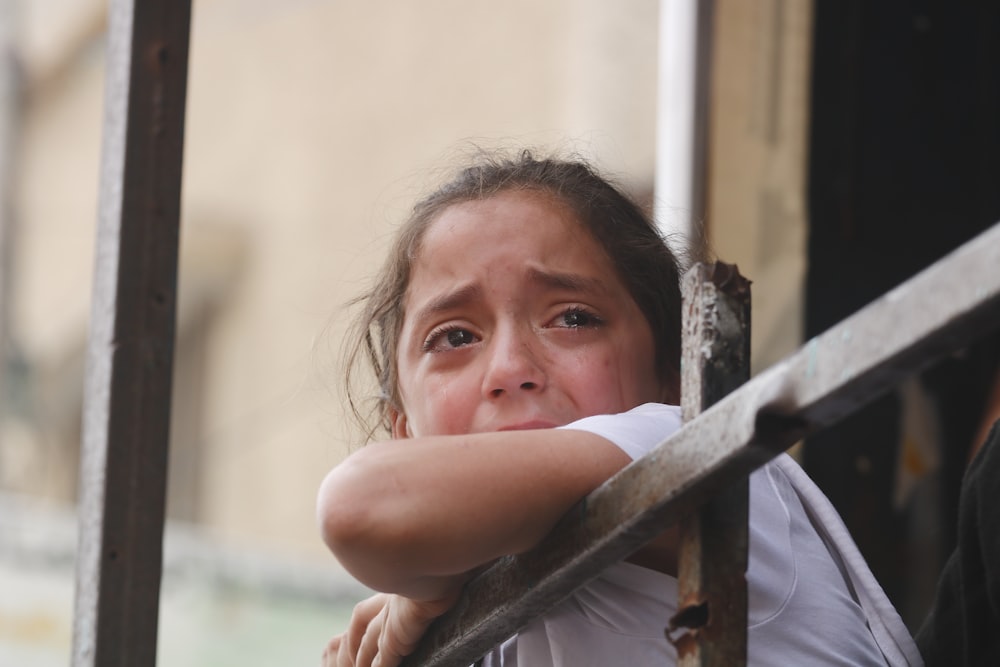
(312, 126)
(757, 212)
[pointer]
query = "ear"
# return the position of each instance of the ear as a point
(400, 426)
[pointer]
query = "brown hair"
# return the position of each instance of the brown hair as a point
(645, 264)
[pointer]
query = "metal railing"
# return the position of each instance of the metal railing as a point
(129, 369)
(940, 310)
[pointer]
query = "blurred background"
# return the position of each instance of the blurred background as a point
(850, 144)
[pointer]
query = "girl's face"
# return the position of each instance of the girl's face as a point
(515, 319)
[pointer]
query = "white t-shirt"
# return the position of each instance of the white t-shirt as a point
(811, 599)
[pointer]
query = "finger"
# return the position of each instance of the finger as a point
(381, 660)
(368, 649)
(330, 652)
(388, 655)
(344, 656)
(361, 617)
(399, 637)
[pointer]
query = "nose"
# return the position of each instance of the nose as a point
(513, 365)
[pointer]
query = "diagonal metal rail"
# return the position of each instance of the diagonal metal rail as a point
(948, 305)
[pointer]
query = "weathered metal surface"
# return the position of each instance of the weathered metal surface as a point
(127, 393)
(710, 626)
(943, 308)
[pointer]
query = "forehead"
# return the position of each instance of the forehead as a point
(531, 224)
(483, 244)
(512, 245)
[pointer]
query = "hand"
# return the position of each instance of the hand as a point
(383, 629)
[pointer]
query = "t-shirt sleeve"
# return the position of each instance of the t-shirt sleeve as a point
(635, 432)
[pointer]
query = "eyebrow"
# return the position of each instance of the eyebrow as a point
(449, 301)
(572, 282)
(457, 298)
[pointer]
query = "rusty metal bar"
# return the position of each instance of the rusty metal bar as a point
(130, 355)
(710, 626)
(943, 308)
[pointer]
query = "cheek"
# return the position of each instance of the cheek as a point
(597, 378)
(628, 375)
(439, 405)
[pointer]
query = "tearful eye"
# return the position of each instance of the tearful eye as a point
(449, 338)
(459, 337)
(577, 318)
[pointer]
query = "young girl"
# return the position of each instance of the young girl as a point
(525, 335)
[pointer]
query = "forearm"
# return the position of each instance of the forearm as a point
(408, 516)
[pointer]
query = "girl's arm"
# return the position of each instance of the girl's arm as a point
(413, 516)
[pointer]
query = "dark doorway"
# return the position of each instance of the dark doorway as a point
(904, 167)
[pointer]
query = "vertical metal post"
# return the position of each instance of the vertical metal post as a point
(10, 111)
(682, 119)
(130, 355)
(711, 618)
